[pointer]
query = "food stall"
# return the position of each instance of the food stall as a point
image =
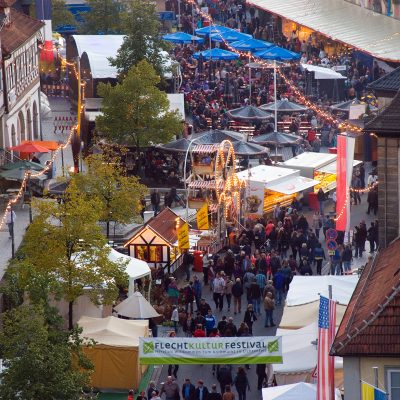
(280, 185)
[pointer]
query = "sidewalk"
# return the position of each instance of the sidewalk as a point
(60, 107)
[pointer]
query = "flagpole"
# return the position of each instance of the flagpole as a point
(249, 81)
(276, 111)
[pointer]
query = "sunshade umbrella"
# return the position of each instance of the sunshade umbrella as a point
(18, 174)
(216, 54)
(25, 164)
(182, 38)
(209, 30)
(276, 139)
(345, 106)
(251, 44)
(216, 136)
(249, 113)
(30, 147)
(248, 149)
(176, 146)
(229, 36)
(277, 53)
(136, 306)
(283, 106)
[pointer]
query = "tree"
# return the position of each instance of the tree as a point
(104, 17)
(65, 250)
(105, 179)
(142, 41)
(135, 112)
(43, 361)
(61, 15)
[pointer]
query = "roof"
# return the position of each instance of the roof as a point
(21, 29)
(389, 82)
(98, 49)
(163, 224)
(387, 122)
(322, 72)
(370, 32)
(370, 325)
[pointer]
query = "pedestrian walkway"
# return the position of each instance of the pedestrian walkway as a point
(59, 107)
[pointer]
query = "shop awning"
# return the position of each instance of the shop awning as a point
(205, 185)
(322, 72)
(370, 32)
(205, 148)
(331, 168)
(292, 185)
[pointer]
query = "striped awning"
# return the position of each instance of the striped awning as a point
(205, 148)
(205, 185)
(213, 207)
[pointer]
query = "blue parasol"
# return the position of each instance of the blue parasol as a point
(277, 54)
(251, 45)
(182, 38)
(216, 54)
(229, 36)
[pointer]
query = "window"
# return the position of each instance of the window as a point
(393, 376)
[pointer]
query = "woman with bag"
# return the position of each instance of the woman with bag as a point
(250, 317)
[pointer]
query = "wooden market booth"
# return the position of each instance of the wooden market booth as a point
(156, 242)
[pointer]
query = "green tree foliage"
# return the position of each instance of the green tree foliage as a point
(43, 361)
(142, 41)
(119, 194)
(104, 17)
(65, 252)
(61, 15)
(135, 112)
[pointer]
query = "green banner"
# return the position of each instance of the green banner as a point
(219, 350)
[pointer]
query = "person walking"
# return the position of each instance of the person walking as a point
(197, 290)
(261, 375)
(224, 377)
(347, 258)
(175, 318)
(188, 294)
(317, 223)
(269, 306)
(173, 369)
(228, 395)
(211, 322)
(206, 266)
(214, 395)
(372, 236)
(188, 390)
(187, 263)
(173, 292)
(171, 389)
(228, 291)
(237, 293)
(319, 255)
(250, 317)
(218, 291)
(242, 383)
(10, 220)
(155, 201)
(254, 295)
(321, 200)
(201, 392)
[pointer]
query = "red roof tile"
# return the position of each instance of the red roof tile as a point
(164, 224)
(21, 29)
(371, 323)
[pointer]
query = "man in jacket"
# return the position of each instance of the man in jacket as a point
(155, 201)
(269, 306)
(201, 392)
(188, 390)
(224, 376)
(171, 389)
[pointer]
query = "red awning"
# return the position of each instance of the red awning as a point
(205, 148)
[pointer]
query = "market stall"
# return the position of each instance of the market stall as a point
(268, 185)
(115, 353)
(303, 391)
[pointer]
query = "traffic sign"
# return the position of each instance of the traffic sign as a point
(331, 244)
(331, 234)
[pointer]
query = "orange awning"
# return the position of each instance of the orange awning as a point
(49, 144)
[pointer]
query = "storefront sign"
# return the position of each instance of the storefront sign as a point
(202, 217)
(219, 350)
(183, 236)
(254, 199)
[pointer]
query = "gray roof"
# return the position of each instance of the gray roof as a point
(389, 82)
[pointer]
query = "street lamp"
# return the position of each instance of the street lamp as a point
(184, 178)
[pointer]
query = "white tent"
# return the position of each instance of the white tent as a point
(300, 355)
(135, 268)
(322, 72)
(303, 391)
(306, 289)
(302, 301)
(136, 306)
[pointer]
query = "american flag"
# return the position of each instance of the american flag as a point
(326, 363)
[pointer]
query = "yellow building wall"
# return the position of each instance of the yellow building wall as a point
(367, 373)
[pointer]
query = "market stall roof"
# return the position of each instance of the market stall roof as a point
(176, 146)
(136, 306)
(322, 72)
(25, 164)
(276, 139)
(283, 106)
(307, 289)
(267, 174)
(345, 105)
(205, 148)
(98, 49)
(249, 113)
(216, 136)
(248, 149)
(310, 159)
(295, 391)
(205, 184)
(291, 185)
(135, 268)
(365, 30)
(112, 331)
(332, 167)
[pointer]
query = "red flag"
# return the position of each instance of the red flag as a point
(326, 363)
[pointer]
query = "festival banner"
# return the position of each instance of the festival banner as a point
(218, 350)
(254, 200)
(202, 218)
(183, 236)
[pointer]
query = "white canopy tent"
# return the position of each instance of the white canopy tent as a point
(136, 306)
(322, 72)
(296, 391)
(302, 300)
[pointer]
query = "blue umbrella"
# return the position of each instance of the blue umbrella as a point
(277, 54)
(216, 54)
(207, 30)
(251, 45)
(229, 36)
(182, 38)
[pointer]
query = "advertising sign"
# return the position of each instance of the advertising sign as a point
(254, 199)
(219, 350)
(202, 217)
(183, 236)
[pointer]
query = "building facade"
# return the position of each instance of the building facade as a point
(20, 85)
